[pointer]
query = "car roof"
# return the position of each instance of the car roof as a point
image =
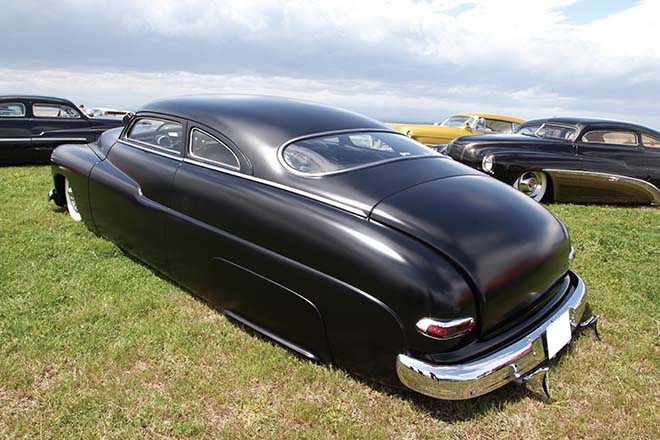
(593, 122)
(36, 98)
(491, 116)
(258, 125)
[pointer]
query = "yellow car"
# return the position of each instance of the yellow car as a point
(457, 126)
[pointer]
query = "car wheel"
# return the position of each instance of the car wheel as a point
(533, 184)
(71, 202)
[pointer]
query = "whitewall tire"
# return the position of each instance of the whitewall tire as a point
(71, 205)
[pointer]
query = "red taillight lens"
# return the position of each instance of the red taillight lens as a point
(439, 329)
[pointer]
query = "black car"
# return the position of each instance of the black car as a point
(335, 236)
(32, 126)
(571, 160)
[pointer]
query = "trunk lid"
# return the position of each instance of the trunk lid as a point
(511, 248)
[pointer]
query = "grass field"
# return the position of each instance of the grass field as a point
(94, 345)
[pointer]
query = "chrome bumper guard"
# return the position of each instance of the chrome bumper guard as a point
(510, 364)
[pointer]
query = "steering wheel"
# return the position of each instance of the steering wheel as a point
(164, 140)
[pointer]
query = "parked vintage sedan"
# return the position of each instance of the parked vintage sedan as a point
(32, 126)
(313, 226)
(439, 134)
(571, 160)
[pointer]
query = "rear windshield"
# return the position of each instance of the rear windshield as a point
(341, 152)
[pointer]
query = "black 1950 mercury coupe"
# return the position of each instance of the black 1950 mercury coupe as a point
(570, 160)
(32, 126)
(335, 236)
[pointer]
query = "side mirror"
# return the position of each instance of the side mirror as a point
(467, 126)
(128, 117)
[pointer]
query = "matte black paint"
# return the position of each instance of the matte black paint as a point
(515, 154)
(417, 239)
(31, 140)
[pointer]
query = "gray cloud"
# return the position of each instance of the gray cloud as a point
(398, 59)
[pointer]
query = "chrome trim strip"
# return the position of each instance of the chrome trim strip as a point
(324, 200)
(472, 379)
(15, 139)
(59, 139)
(149, 150)
(641, 184)
(424, 323)
(280, 151)
(263, 331)
(190, 151)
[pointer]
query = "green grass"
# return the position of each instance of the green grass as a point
(94, 345)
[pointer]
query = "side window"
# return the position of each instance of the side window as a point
(610, 137)
(497, 126)
(158, 133)
(650, 141)
(206, 147)
(54, 111)
(12, 110)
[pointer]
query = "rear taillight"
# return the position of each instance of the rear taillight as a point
(440, 329)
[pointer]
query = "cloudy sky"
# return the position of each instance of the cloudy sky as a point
(391, 59)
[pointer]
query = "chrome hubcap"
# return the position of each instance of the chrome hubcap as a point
(531, 184)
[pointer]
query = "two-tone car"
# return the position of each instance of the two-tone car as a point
(335, 236)
(578, 160)
(32, 126)
(440, 134)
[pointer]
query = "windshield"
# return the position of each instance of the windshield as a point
(333, 153)
(457, 121)
(556, 132)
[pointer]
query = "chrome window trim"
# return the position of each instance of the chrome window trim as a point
(324, 200)
(583, 140)
(150, 147)
(8, 103)
(289, 168)
(58, 118)
(194, 156)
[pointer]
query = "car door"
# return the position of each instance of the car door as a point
(130, 191)
(14, 131)
(215, 209)
(55, 123)
(651, 153)
(612, 152)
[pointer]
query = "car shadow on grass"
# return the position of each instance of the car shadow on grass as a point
(448, 411)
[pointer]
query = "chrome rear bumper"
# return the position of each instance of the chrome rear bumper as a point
(509, 364)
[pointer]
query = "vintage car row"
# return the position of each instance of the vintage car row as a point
(571, 160)
(440, 134)
(335, 236)
(32, 126)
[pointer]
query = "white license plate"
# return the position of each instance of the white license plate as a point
(558, 334)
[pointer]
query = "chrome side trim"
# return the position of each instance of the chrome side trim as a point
(15, 139)
(511, 363)
(353, 210)
(59, 139)
(280, 151)
(643, 185)
(263, 331)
